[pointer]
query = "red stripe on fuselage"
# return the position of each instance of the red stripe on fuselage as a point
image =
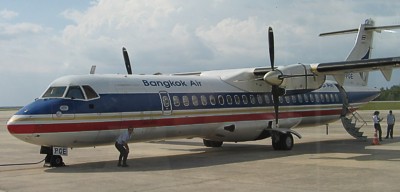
(113, 125)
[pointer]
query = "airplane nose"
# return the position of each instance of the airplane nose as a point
(12, 127)
(16, 126)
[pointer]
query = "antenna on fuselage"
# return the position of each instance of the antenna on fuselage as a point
(127, 62)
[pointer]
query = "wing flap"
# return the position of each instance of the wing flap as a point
(387, 73)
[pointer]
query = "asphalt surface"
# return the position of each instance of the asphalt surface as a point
(318, 162)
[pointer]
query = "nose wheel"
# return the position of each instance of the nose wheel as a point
(54, 161)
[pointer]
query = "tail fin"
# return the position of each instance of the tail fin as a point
(362, 49)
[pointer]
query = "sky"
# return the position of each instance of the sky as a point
(43, 40)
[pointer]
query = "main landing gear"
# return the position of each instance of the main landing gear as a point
(210, 143)
(282, 141)
(51, 160)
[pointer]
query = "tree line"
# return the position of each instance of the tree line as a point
(389, 94)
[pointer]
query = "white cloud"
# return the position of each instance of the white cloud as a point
(20, 28)
(235, 37)
(7, 14)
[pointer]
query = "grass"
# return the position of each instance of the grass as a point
(382, 105)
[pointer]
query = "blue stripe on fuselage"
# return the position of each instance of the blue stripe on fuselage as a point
(111, 103)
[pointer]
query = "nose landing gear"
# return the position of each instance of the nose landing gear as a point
(51, 160)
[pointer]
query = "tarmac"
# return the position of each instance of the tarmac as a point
(318, 162)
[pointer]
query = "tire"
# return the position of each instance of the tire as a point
(282, 141)
(286, 141)
(276, 142)
(56, 161)
(209, 143)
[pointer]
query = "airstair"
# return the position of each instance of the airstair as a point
(353, 122)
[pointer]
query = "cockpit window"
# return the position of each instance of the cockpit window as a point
(54, 92)
(90, 93)
(75, 92)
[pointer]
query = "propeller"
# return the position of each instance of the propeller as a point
(276, 90)
(127, 62)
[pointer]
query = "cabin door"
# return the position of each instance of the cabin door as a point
(165, 103)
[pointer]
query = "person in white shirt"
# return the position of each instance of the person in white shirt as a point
(377, 125)
(390, 122)
(122, 145)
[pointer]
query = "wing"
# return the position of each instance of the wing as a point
(339, 69)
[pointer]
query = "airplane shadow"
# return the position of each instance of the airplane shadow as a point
(234, 153)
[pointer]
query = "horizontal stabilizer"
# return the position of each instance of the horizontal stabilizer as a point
(339, 32)
(367, 28)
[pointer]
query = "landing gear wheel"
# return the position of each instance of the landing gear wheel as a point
(287, 141)
(282, 141)
(209, 143)
(56, 161)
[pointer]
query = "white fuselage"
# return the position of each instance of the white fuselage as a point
(163, 107)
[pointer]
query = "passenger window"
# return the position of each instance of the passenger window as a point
(245, 100)
(327, 98)
(332, 98)
(316, 98)
(221, 100)
(229, 99)
(252, 99)
(267, 99)
(312, 98)
(212, 100)
(337, 97)
(176, 101)
(305, 98)
(280, 99)
(300, 98)
(294, 99)
(195, 101)
(237, 99)
(166, 101)
(75, 92)
(90, 93)
(259, 99)
(322, 98)
(287, 99)
(54, 92)
(185, 100)
(203, 100)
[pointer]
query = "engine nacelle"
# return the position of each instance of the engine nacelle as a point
(295, 77)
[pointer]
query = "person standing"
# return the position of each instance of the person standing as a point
(377, 124)
(122, 145)
(390, 124)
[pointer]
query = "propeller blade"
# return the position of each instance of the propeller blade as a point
(275, 98)
(127, 62)
(276, 91)
(271, 46)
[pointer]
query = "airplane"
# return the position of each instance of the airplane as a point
(232, 105)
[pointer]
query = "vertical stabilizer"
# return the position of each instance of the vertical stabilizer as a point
(361, 50)
(363, 44)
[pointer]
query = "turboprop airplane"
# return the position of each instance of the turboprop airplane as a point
(218, 106)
